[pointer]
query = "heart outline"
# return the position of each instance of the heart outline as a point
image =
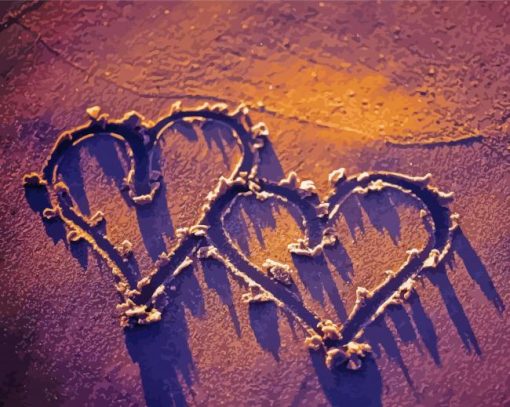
(140, 303)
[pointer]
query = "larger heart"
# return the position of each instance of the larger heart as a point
(207, 237)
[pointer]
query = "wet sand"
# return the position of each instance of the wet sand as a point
(407, 88)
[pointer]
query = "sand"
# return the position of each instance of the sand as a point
(403, 88)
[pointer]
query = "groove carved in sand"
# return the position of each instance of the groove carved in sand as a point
(207, 238)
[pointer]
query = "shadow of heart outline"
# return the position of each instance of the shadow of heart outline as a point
(140, 304)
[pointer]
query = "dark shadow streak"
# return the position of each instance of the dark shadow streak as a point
(115, 167)
(351, 212)
(154, 220)
(80, 251)
(186, 129)
(380, 337)
(219, 134)
(39, 200)
(216, 277)
(439, 278)
(425, 327)
(264, 322)
(238, 229)
(316, 277)
(248, 211)
(382, 214)
(269, 166)
(402, 323)
(343, 387)
(107, 156)
(161, 350)
(340, 260)
(476, 269)
(71, 173)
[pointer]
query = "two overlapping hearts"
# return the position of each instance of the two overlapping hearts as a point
(143, 301)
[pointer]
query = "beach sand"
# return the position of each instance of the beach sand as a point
(413, 88)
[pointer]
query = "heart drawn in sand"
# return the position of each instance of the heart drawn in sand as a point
(207, 238)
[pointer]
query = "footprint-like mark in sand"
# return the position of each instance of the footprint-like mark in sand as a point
(143, 301)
